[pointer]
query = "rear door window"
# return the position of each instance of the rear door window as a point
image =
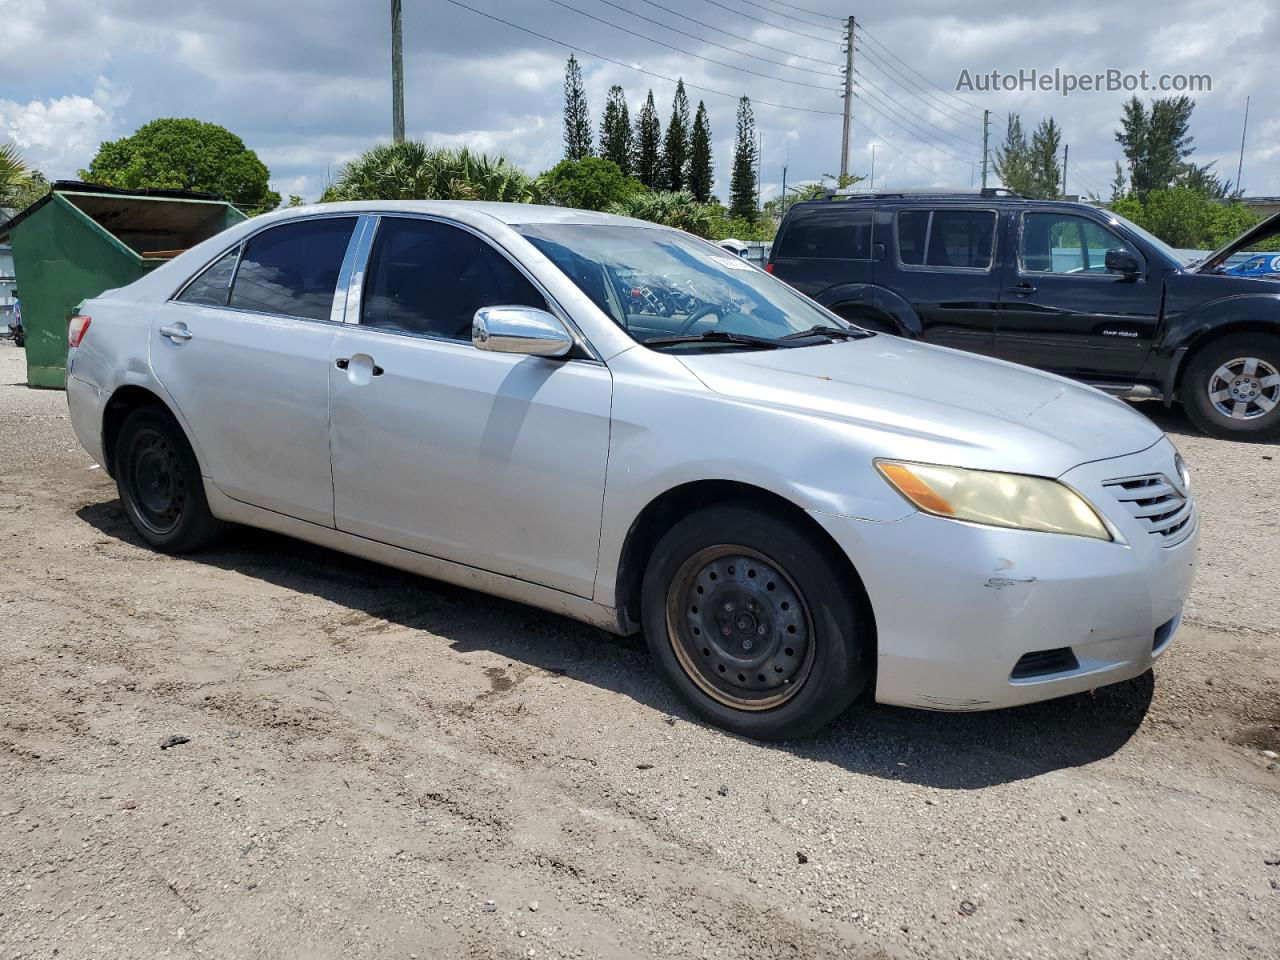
(430, 278)
(947, 239)
(213, 287)
(828, 233)
(293, 269)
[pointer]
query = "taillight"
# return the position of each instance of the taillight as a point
(768, 267)
(78, 327)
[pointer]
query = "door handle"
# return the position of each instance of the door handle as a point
(1022, 290)
(177, 332)
(342, 363)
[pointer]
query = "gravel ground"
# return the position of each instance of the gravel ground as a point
(381, 766)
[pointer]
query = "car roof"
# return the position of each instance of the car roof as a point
(934, 199)
(508, 213)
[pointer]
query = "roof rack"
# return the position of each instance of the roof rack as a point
(925, 192)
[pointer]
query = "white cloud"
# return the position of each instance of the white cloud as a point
(58, 134)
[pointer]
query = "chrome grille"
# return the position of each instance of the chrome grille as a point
(1157, 504)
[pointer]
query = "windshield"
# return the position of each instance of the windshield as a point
(657, 283)
(1174, 257)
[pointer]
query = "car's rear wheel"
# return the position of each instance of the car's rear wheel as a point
(159, 482)
(753, 625)
(1232, 387)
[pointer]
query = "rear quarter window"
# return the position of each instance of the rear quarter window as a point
(827, 233)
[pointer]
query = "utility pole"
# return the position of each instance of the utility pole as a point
(397, 75)
(873, 166)
(848, 99)
(986, 132)
(784, 182)
(759, 156)
(1243, 131)
(1066, 152)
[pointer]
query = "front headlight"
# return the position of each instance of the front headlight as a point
(996, 499)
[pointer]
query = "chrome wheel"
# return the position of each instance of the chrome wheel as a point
(740, 628)
(1245, 388)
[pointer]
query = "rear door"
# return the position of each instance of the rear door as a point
(1061, 310)
(243, 350)
(943, 262)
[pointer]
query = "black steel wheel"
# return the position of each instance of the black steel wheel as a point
(754, 622)
(159, 482)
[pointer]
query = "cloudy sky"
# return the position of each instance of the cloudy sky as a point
(306, 83)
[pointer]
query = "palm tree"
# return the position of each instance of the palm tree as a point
(411, 170)
(670, 208)
(13, 174)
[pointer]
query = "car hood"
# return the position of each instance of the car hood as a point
(916, 401)
(1255, 234)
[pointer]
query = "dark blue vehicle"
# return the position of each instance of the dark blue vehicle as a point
(1066, 287)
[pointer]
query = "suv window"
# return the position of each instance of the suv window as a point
(213, 287)
(430, 278)
(1065, 243)
(293, 269)
(828, 233)
(961, 239)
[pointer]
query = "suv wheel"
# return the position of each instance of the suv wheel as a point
(1232, 387)
(752, 625)
(159, 482)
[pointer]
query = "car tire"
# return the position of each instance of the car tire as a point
(1230, 383)
(753, 625)
(160, 484)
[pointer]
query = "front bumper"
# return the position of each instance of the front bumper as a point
(958, 605)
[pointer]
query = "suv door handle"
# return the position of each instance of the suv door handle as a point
(177, 332)
(1022, 290)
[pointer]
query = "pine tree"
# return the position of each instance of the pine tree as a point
(700, 171)
(742, 182)
(1118, 188)
(1046, 172)
(675, 148)
(648, 166)
(1013, 158)
(1155, 143)
(577, 118)
(616, 140)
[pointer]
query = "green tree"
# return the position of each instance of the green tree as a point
(1186, 218)
(28, 192)
(675, 147)
(616, 139)
(13, 173)
(577, 118)
(185, 154)
(1013, 158)
(1202, 179)
(701, 173)
(742, 181)
(1118, 184)
(1155, 142)
(411, 170)
(668, 207)
(1046, 173)
(649, 146)
(592, 183)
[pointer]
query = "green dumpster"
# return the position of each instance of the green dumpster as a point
(84, 238)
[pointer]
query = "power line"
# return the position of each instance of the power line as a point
(739, 13)
(902, 79)
(875, 106)
(898, 150)
(754, 43)
(868, 36)
(812, 13)
(687, 53)
(820, 26)
(880, 90)
(629, 66)
(694, 36)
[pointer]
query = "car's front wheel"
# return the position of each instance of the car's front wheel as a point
(159, 481)
(1232, 387)
(754, 625)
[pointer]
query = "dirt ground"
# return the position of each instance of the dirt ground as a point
(382, 766)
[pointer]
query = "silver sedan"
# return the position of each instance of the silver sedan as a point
(629, 426)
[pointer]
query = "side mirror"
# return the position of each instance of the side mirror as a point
(524, 330)
(1122, 262)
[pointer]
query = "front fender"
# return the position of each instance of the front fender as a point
(1240, 310)
(878, 299)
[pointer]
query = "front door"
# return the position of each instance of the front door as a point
(491, 460)
(244, 352)
(1062, 311)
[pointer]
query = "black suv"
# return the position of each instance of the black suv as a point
(1066, 287)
